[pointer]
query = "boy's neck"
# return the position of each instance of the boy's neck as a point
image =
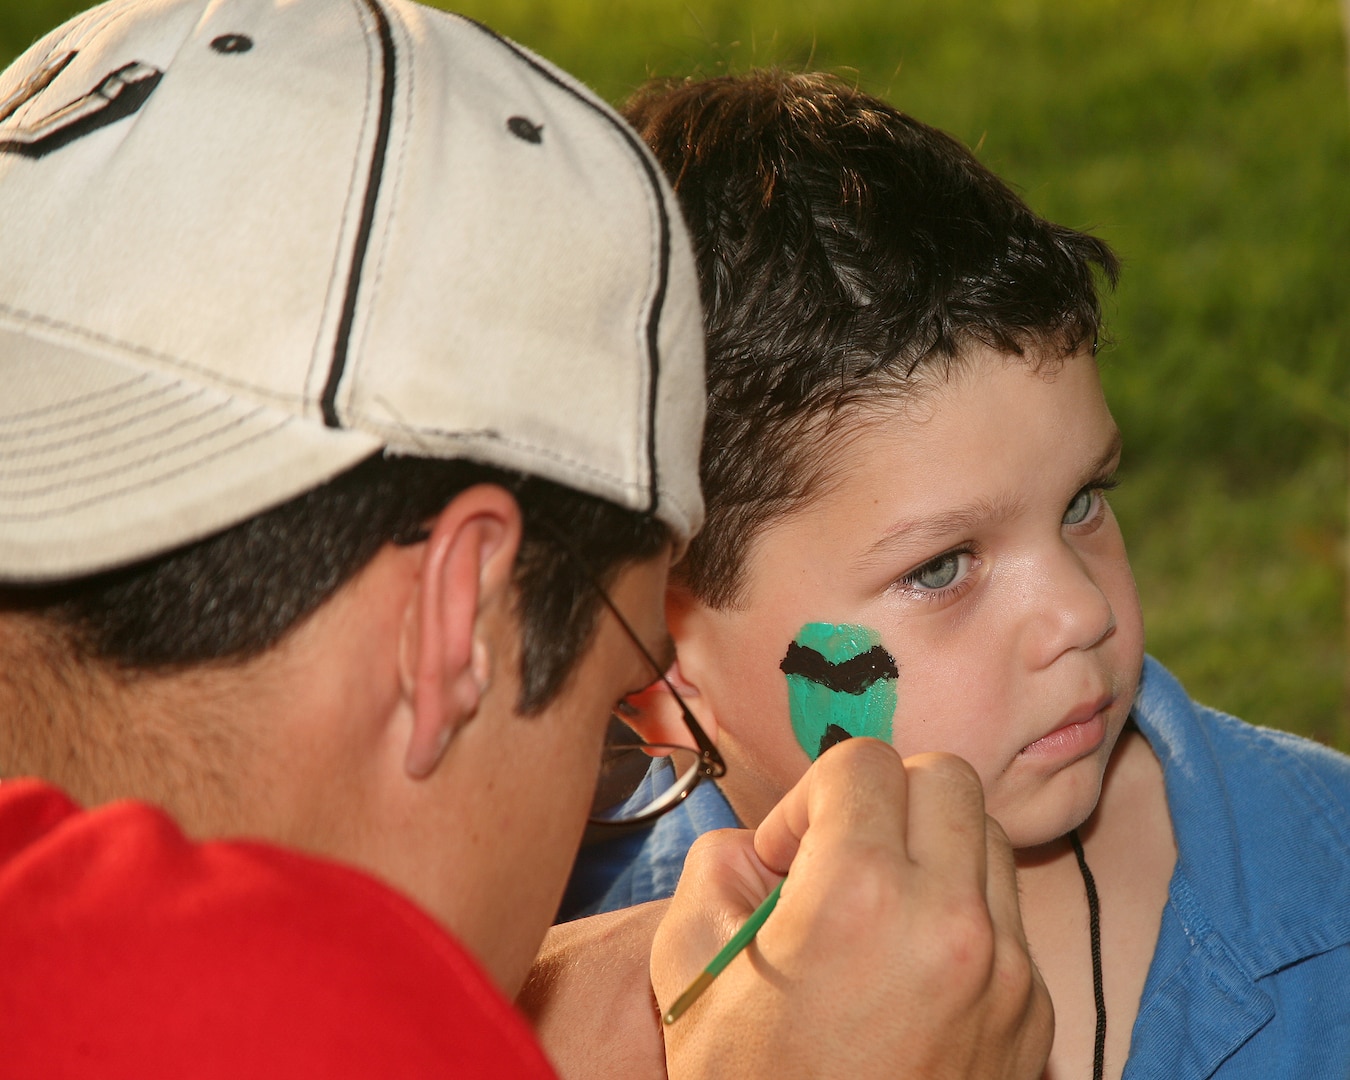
(1130, 850)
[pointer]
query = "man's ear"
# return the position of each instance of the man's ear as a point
(448, 650)
(655, 714)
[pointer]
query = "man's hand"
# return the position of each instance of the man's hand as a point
(896, 949)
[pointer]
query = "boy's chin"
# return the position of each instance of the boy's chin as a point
(1043, 825)
(1034, 845)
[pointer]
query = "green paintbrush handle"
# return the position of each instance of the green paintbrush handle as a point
(725, 955)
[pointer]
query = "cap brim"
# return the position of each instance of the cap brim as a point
(102, 465)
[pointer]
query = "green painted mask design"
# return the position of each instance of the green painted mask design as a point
(841, 683)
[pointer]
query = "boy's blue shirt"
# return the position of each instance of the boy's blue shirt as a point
(1251, 973)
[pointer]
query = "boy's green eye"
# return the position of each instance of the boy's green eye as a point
(1081, 506)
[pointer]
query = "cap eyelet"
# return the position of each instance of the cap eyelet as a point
(526, 129)
(232, 43)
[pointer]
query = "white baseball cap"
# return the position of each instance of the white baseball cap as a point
(245, 244)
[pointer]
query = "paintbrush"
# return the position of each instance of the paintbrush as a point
(746, 934)
(739, 941)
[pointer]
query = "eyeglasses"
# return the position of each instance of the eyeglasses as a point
(638, 781)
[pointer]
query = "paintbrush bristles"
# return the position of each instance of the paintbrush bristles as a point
(690, 996)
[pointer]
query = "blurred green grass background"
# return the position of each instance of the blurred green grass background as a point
(1209, 142)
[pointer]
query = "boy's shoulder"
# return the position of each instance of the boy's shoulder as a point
(1198, 743)
(1262, 825)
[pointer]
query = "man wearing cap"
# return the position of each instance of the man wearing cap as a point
(350, 403)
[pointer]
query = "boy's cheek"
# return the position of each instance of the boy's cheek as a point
(760, 771)
(764, 758)
(777, 715)
(841, 683)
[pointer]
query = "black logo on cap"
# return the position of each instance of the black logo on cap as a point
(117, 96)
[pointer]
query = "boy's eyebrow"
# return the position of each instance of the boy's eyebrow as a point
(1113, 449)
(964, 518)
(921, 530)
(1109, 456)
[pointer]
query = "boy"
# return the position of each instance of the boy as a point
(321, 492)
(905, 467)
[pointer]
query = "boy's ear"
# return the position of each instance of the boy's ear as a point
(448, 647)
(657, 715)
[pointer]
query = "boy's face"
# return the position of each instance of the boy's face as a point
(965, 533)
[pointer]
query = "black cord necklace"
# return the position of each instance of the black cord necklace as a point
(1095, 933)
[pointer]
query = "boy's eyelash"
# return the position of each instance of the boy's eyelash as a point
(1101, 485)
(909, 580)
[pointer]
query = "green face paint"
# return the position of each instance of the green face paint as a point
(841, 683)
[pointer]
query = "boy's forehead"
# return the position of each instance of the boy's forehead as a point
(963, 515)
(912, 400)
(936, 451)
(837, 439)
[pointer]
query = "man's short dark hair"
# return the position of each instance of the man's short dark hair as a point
(232, 596)
(843, 249)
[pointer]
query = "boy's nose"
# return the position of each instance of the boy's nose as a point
(1068, 609)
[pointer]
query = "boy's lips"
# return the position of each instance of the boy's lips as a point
(1078, 734)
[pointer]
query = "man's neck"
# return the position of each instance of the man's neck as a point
(101, 734)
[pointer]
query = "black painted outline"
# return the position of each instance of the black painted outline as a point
(852, 676)
(833, 736)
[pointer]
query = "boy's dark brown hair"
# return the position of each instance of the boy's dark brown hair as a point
(844, 250)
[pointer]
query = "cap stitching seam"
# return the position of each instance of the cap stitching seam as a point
(370, 203)
(490, 435)
(86, 334)
(648, 342)
(103, 408)
(190, 466)
(130, 444)
(636, 156)
(73, 403)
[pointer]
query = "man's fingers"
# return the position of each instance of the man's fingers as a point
(855, 797)
(896, 878)
(722, 883)
(946, 819)
(1001, 883)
